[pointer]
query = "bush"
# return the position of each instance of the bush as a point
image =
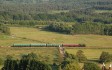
(70, 62)
(4, 29)
(81, 56)
(105, 57)
(71, 56)
(82, 45)
(1, 61)
(91, 66)
(72, 66)
(60, 27)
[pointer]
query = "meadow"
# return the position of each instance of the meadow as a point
(57, 11)
(34, 35)
(91, 54)
(103, 11)
(25, 35)
(42, 53)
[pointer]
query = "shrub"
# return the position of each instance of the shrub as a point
(82, 45)
(70, 62)
(72, 66)
(4, 29)
(81, 56)
(91, 66)
(105, 57)
(60, 27)
(1, 61)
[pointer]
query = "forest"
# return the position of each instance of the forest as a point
(46, 12)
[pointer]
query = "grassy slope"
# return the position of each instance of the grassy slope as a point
(90, 53)
(32, 35)
(42, 53)
(9, 40)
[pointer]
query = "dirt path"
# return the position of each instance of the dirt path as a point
(62, 52)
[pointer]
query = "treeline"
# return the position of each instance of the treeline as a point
(60, 27)
(84, 28)
(78, 11)
(89, 28)
(70, 62)
(29, 23)
(4, 29)
(80, 16)
(33, 12)
(101, 4)
(30, 7)
(27, 62)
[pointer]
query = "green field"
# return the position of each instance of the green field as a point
(43, 54)
(103, 11)
(91, 54)
(57, 11)
(33, 35)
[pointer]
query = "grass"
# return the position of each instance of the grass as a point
(33, 35)
(43, 54)
(1, 66)
(91, 54)
(57, 11)
(6, 40)
(103, 11)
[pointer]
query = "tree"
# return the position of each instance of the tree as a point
(27, 62)
(32, 56)
(1, 61)
(70, 62)
(91, 66)
(72, 66)
(71, 56)
(10, 64)
(81, 56)
(4, 29)
(105, 57)
(60, 27)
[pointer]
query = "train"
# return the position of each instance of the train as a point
(48, 45)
